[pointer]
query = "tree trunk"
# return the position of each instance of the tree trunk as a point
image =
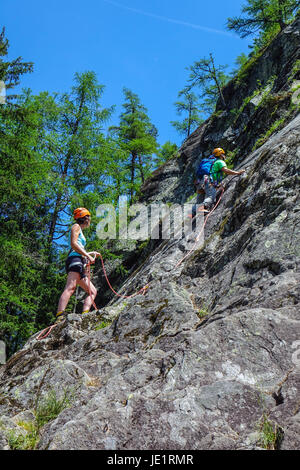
(63, 177)
(141, 170)
(189, 119)
(214, 74)
(281, 15)
(133, 158)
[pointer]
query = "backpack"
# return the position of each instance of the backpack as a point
(205, 166)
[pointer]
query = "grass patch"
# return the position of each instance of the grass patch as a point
(45, 411)
(202, 313)
(103, 324)
(272, 129)
(19, 441)
(270, 433)
(51, 406)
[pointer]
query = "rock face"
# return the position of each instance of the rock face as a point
(209, 357)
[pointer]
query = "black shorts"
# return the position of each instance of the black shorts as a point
(76, 264)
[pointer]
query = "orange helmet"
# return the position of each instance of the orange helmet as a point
(218, 151)
(80, 212)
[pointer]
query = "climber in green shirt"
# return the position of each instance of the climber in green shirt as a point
(213, 181)
(217, 171)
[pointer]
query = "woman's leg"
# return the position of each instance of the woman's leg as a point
(72, 281)
(84, 284)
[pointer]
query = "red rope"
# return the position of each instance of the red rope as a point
(198, 236)
(48, 329)
(142, 290)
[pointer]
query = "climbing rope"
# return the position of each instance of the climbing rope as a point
(88, 272)
(141, 291)
(202, 229)
(43, 334)
(205, 221)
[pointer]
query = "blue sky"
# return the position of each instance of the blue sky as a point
(144, 45)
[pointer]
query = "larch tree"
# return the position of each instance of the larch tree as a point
(210, 78)
(23, 206)
(137, 137)
(74, 145)
(188, 106)
(263, 16)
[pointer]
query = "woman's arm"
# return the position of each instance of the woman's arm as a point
(94, 253)
(75, 245)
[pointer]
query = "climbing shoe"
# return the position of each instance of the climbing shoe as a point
(60, 316)
(203, 211)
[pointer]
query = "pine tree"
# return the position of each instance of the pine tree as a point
(137, 137)
(23, 213)
(164, 153)
(189, 106)
(263, 16)
(210, 79)
(10, 71)
(74, 145)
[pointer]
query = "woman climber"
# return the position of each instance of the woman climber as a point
(75, 265)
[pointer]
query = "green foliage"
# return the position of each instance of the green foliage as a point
(263, 91)
(210, 79)
(230, 157)
(263, 40)
(164, 153)
(239, 62)
(51, 406)
(102, 325)
(189, 106)
(27, 437)
(244, 71)
(265, 19)
(202, 313)
(136, 137)
(74, 147)
(269, 433)
(263, 16)
(275, 126)
(18, 440)
(54, 156)
(23, 213)
(295, 69)
(191, 197)
(10, 71)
